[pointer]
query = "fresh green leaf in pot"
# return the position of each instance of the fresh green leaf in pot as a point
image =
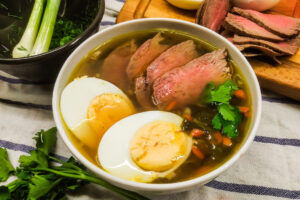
(65, 31)
(68, 27)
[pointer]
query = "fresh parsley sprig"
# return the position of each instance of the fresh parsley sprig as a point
(38, 178)
(228, 117)
(6, 167)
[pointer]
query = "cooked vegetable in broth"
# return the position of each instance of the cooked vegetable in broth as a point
(157, 106)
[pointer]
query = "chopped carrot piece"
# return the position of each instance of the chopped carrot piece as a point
(197, 132)
(245, 110)
(197, 153)
(227, 141)
(240, 94)
(218, 136)
(171, 106)
(188, 117)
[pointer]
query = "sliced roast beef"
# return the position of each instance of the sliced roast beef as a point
(283, 26)
(183, 85)
(145, 54)
(176, 56)
(213, 13)
(253, 54)
(263, 49)
(143, 93)
(114, 65)
(245, 27)
(227, 33)
(286, 47)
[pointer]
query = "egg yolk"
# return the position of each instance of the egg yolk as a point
(106, 109)
(158, 146)
(103, 111)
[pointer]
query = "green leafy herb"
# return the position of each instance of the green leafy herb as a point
(6, 168)
(227, 120)
(38, 178)
(4, 193)
(221, 94)
(65, 31)
(228, 117)
(45, 141)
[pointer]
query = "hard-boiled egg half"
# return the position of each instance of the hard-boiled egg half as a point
(145, 146)
(89, 106)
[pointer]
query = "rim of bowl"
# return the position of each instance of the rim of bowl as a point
(154, 186)
(96, 22)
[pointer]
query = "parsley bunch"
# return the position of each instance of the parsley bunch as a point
(38, 178)
(228, 117)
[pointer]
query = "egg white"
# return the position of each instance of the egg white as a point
(74, 103)
(114, 149)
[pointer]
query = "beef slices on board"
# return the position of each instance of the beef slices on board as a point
(114, 65)
(283, 26)
(145, 54)
(213, 13)
(289, 47)
(245, 27)
(183, 85)
(264, 50)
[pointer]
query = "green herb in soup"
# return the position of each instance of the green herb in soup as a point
(181, 108)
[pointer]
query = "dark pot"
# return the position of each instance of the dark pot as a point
(45, 67)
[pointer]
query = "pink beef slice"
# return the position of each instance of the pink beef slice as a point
(114, 65)
(176, 56)
(145, 54)
(283, 26)
(184, 85)
(213, 13)
(143, 93)
(286, 47)
(245, 27)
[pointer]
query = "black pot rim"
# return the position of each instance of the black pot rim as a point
(66, 47)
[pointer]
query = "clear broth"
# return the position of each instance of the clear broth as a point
(90, 66)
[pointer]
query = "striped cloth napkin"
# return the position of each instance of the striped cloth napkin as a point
(269, 170)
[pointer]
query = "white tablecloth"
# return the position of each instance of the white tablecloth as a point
(269, 170)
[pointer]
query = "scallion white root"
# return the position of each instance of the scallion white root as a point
(24, 47)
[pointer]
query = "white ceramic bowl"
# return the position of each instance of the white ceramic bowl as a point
(144, 24)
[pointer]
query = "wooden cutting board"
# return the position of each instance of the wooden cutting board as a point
(283, 79)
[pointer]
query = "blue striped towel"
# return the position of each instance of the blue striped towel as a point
(269, 170)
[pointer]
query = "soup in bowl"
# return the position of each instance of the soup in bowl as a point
(157, 105)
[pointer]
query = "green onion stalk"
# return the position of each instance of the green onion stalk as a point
(24, 47)
(43, 40)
